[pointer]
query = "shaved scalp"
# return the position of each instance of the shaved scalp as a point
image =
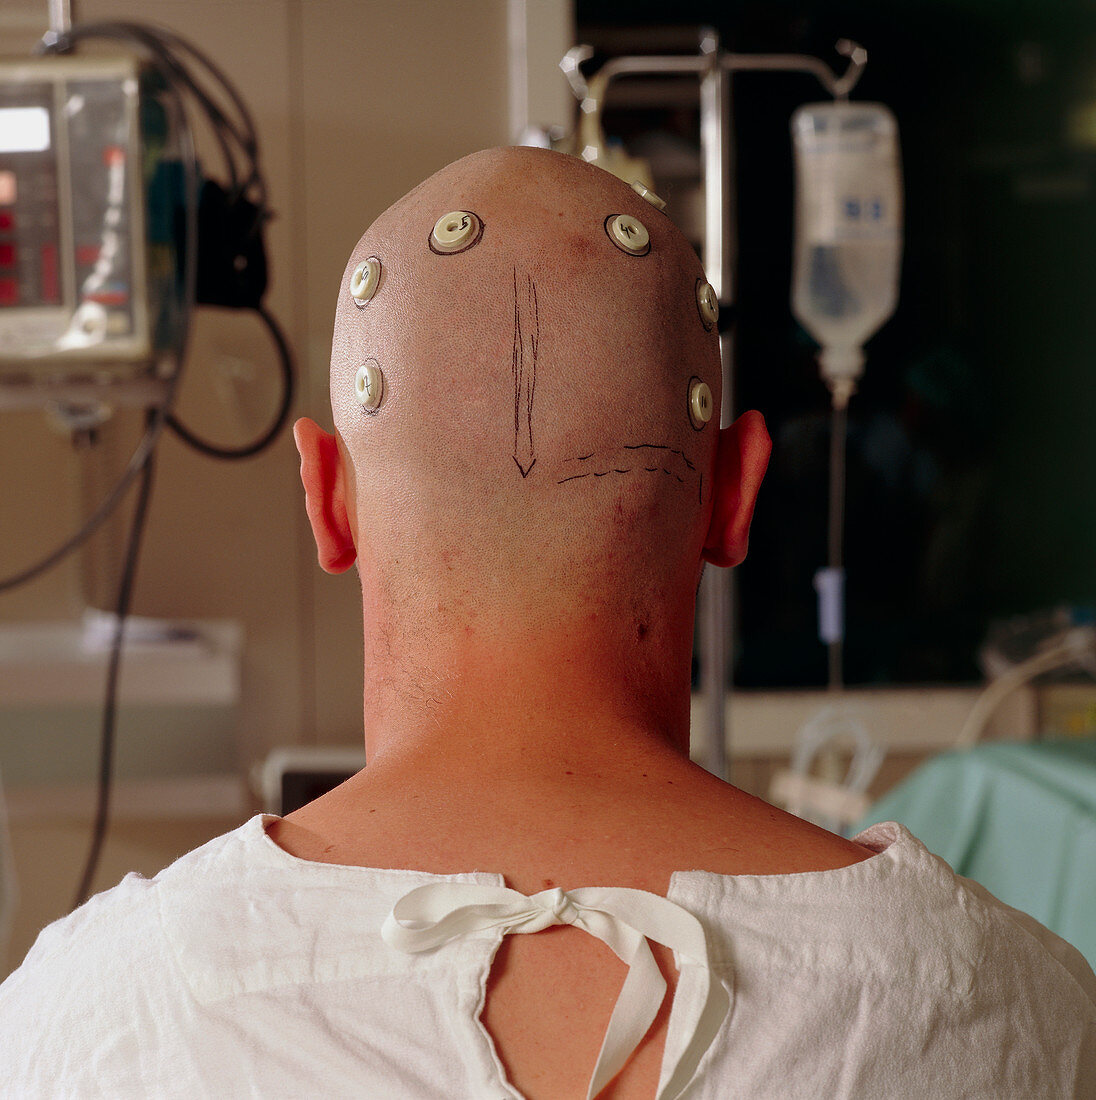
(533, 453)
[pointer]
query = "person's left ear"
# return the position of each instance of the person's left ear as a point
(741, 461)
(325, 496)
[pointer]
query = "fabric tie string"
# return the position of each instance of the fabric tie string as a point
(432, 915)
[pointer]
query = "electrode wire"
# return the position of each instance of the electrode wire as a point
(285, 365)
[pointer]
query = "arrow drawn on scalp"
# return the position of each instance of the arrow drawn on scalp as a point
(526, 343)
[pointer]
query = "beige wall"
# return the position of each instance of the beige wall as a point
(355, 101)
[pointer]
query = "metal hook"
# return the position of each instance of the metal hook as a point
(858, 58)
(571, 64)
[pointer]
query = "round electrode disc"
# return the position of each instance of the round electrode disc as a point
(455, 231)
(628, 234)
(645, 192)
(364, 280)
(707, 303)
(701, 404)
(369, 385)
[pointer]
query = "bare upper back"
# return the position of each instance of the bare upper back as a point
(550, 995)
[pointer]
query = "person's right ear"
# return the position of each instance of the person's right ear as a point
(325, 496)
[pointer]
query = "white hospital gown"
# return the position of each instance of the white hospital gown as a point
(242, 971)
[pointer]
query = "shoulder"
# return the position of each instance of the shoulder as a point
(899, 918)
(897, 961)
(1016, 966)
(94, 979)
(1021, 938)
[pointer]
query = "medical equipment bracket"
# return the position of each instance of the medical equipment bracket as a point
(715, 67)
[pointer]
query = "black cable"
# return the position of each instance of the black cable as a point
(285, 362)
(249, 141)
(110, 708)
(160, 42)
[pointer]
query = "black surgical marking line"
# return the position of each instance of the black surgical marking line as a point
(524, 364)
(660, 447)
(607, 457)
(630, 469)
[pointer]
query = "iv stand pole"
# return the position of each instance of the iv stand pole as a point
(60, 16)
(716, 150)
(715, 69)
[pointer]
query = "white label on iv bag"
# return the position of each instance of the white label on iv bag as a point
(848, 186)
(850, 197)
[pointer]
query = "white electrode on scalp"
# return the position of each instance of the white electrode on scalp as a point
(848, 232)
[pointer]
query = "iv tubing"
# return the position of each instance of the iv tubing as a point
(838, 439)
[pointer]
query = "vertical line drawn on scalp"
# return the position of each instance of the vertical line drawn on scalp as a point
(526, 349)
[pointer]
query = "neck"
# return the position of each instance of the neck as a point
(533, 698)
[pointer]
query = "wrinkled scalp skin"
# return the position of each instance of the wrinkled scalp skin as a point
(535, 431)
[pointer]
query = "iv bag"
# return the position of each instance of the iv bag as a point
(848, 230)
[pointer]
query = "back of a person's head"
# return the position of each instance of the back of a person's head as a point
(537, 444)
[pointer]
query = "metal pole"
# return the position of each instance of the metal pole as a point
(715, 145)
(60, 16)
(715, 69)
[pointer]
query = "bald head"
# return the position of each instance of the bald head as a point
(519, 388)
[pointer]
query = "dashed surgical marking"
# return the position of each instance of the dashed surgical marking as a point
(629, 470)
(659, 447)
(675, 464)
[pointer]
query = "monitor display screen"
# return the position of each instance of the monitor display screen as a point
(24, 129)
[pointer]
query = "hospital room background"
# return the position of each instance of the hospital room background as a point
(938, 666)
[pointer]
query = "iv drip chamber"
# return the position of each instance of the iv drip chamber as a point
(848, 231)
